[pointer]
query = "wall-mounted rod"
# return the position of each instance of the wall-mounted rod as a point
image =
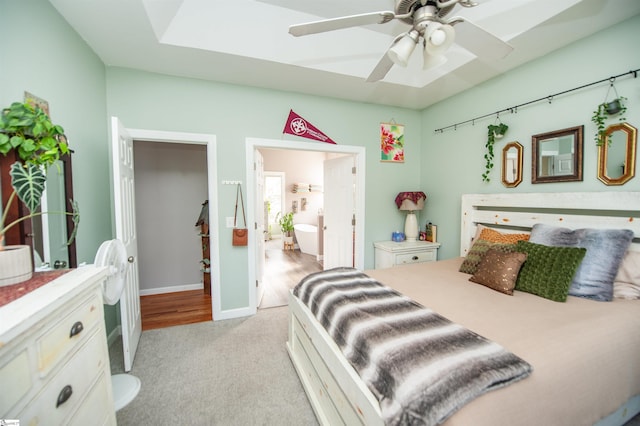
(549, 98)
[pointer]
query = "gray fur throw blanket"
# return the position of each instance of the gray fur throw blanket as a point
(420, 366)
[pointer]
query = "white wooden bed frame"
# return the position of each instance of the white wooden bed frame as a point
(335, 391)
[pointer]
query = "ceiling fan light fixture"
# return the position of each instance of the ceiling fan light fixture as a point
(439, 38)
(432, 61)
(400, 52)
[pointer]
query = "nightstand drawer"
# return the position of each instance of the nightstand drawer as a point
(390, 253)
(404, 259)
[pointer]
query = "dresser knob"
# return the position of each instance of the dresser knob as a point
(415, 258)
(64, 395)
(76, 329)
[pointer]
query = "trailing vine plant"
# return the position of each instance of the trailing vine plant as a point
(604, 111)
(495, 131)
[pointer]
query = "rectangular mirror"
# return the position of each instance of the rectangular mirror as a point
(557, 156)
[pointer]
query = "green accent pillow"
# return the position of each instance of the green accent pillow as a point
(548, 271)
(477, 252)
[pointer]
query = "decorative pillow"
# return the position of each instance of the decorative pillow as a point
(627, 282)
(605, 250)
(499, 270)
(477, 252)
(548, 270)
(494, 236)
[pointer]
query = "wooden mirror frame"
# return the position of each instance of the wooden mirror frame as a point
(629, 159)
(518, 164)
(536, 154)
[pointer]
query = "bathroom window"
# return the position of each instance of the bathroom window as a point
(274, 195)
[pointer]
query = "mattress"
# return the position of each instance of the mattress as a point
(584, 353)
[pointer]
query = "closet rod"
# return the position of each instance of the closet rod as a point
(549, 98)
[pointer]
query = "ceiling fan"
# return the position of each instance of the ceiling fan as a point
(429, 27)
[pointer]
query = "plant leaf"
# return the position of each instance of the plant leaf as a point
(29, 182)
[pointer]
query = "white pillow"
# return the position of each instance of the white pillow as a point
(627, 282)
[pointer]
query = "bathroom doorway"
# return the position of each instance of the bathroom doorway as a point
(313, 201)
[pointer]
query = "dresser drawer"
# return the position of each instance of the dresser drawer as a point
(15, 380)
(63, 394)
(423, 256)
(60, 340)
(95, 410)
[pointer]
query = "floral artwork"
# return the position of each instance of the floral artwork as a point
(392, 142)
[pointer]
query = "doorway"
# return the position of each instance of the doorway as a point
(256, 209)
(190, 144)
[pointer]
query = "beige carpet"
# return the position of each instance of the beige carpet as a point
(233, 372)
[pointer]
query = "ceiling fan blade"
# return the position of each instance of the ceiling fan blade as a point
(340, 23)
(479, 41)
(382, 68)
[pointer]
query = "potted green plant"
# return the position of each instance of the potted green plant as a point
(286, 226)
(605, 111)
(494, 131)
(28, 132)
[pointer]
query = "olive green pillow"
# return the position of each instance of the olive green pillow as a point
(477, 252)
(548, 271)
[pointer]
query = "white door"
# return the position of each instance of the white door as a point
(125, 223)
(339, 212)
(260, 226)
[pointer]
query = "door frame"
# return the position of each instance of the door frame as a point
(253, 144)
(212, 177)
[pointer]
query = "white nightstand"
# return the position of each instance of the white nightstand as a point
(390, 253)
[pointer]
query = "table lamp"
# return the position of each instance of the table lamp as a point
(410, 202)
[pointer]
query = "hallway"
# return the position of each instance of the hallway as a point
(283, 269)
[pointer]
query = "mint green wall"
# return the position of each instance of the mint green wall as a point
(452, 161)
(151, 101)
(41, 54)
(47, 58)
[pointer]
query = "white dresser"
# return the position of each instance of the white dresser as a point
(54, 358)
(391, 253)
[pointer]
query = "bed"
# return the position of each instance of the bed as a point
(583, 353)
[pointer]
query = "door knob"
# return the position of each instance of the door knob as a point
(130, 259)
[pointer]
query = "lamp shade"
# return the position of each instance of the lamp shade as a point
(411, 201)
(438, 38)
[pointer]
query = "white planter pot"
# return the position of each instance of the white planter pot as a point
(15, 265)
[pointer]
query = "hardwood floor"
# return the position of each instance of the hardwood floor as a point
(283, 270)
(169, 309)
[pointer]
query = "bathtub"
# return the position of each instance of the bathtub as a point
(307, 237)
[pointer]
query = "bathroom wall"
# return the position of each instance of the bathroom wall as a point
(298, 166)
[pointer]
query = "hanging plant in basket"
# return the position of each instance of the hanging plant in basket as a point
(494, 131)
(605, 111)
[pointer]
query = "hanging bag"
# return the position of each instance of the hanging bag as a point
(240, 235)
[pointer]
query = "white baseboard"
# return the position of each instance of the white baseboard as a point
(172, 289)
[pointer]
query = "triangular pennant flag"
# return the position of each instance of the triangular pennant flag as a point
(298, 126)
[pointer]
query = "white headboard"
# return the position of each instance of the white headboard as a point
(520, 211)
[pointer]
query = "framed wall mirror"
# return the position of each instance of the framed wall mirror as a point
(557, 156)
(512, 164)
(617, 156)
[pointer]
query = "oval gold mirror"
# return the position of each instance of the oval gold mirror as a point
(617, 156)
(512, 164)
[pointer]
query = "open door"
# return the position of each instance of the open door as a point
(339, 212)
(125, 224)
(260, 226)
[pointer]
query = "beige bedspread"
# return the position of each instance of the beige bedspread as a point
(585, 354)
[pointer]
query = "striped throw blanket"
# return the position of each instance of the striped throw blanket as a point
(420, 366)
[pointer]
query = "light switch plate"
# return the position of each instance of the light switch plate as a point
(230, 222)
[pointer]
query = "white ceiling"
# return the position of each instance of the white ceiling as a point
(247, 42)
